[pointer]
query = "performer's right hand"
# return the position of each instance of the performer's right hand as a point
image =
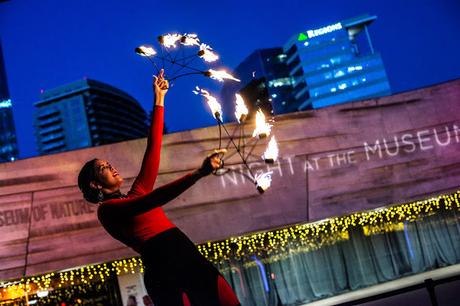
(160, 86)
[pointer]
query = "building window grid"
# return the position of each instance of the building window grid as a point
(49, 122)
(344, 72)
(327, 62)
(348, 83)
(360, 92)
(52, 137)
(113, 119)
(321, 52)
(50, 129)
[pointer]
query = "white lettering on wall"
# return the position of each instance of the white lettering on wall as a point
(422, 140)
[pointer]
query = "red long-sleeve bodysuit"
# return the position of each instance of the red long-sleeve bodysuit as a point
(138, 217)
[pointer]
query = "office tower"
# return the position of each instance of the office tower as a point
(86, 113)
(8, 142)
(323, 66)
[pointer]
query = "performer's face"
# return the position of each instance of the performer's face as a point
(107, 176)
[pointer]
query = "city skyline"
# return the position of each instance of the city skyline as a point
(95, 40)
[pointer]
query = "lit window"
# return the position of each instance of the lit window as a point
(342, 86)
(328, 75)
(354, 83)
(339, 73)
(363, 80)
(324, 65)
(355, 68)
(280, 82)
(306, 44)
(5, 103)
(333, 89)
(274, 95)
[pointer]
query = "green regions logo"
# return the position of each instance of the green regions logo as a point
(302, 37)
(318, 32)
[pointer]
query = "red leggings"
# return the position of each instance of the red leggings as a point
(176, 274)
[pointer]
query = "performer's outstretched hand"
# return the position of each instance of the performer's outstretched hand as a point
(160, 86)
(212, 162)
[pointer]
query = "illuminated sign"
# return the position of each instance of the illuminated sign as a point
(5, 103)
(318, 32)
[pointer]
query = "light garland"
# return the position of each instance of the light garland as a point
(269, 246)
(315, 235)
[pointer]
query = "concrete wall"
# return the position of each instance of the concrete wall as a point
(337, 160)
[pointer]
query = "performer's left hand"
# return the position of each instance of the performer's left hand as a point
(212, 162)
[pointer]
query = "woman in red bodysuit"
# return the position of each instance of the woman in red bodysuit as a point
(175, 272)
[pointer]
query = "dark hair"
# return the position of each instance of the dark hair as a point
(86, 176)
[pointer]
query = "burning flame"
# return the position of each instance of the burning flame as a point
(241, 111)
(271, 154)
(215, 106)
(170, 40)
(145, 50)
(263, 181)
(206, 53)
(262, 128)
(190, 40)
(220, 75)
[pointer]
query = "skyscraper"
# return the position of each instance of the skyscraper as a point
(335, 64)
(327, 65)
(86, 113)
(260, 73)
(8, 142)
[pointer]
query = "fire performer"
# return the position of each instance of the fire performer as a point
(175, 272)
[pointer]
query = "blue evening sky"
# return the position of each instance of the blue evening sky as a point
(47, 43)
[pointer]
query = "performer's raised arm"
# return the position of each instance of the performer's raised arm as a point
(150, 164)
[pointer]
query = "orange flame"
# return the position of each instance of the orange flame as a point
(262, 128)
(206, 53)
(213, 104)
(190, 40)
(170, 40)
(220, 75)
(146, 50)
(263, 180)
(241, 111)
(271, 154)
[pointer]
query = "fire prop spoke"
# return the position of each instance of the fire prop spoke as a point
(185, 54)
(262, 130)
(178, 56)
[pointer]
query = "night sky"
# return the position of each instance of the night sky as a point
(48, 43)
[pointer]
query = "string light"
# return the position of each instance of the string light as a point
(268, 246)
